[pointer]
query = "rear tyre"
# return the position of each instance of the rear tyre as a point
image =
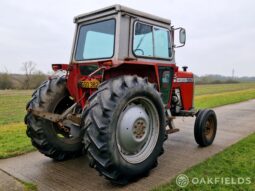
(51, 140)
(125, 128)
(205, 127)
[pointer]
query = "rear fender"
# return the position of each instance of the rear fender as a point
(149, 71)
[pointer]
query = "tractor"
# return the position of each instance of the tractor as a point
(117, 98)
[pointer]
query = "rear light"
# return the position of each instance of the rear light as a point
(56, 67)
(107, 63)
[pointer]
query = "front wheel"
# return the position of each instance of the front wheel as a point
(125, 128)
(205, 127)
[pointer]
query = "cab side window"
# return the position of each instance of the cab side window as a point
(161, 43)
(151, 41)
(143, 40)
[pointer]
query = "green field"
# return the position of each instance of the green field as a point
(12, 105)
(13, 139)
(224, 98)
(209, 96)
(237, 161)
(220, 88)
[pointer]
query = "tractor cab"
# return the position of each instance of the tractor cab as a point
(120, 33)
(118, 40)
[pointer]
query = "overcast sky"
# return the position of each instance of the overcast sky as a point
(220, 34)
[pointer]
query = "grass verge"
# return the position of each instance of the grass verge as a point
(13, 140)
(234, 162)
(214, 100)
(29, 186)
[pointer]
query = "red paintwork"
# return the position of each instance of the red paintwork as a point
(140, 68)
(73, 78)
(114, 68)
(186, 89)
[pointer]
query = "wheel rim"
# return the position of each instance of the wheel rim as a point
(137, 130)
(209, 128)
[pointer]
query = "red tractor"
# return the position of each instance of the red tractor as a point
(117, 98)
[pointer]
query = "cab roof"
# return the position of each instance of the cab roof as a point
(114, 9)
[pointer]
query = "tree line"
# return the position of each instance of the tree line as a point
(219, 79)
(30, 79)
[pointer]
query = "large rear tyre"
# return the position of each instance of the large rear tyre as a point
(48, 137)
(124, 125)
(205, 127)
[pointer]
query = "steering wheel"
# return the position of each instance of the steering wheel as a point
(138, 49)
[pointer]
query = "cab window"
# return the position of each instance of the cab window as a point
(96, 41)
(151, 41)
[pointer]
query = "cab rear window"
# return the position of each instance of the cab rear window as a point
(96, 41)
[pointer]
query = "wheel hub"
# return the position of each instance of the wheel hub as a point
(209, 129)
(139, 128)
(133, 129)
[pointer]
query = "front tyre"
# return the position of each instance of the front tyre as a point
(205, 127)
(125, 128)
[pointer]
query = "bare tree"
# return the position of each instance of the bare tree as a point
(29, 68)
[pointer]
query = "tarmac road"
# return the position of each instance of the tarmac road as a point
(234, 123)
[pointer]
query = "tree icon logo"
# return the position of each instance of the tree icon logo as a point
(182, 180)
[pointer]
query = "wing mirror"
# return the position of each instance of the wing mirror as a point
(182, 37)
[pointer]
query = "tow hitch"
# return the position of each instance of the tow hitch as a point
(59, 118)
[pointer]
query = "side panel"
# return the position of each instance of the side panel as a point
(184, 81)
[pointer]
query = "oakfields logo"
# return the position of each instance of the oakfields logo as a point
(183, 180)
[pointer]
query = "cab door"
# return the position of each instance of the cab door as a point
(166, 77)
